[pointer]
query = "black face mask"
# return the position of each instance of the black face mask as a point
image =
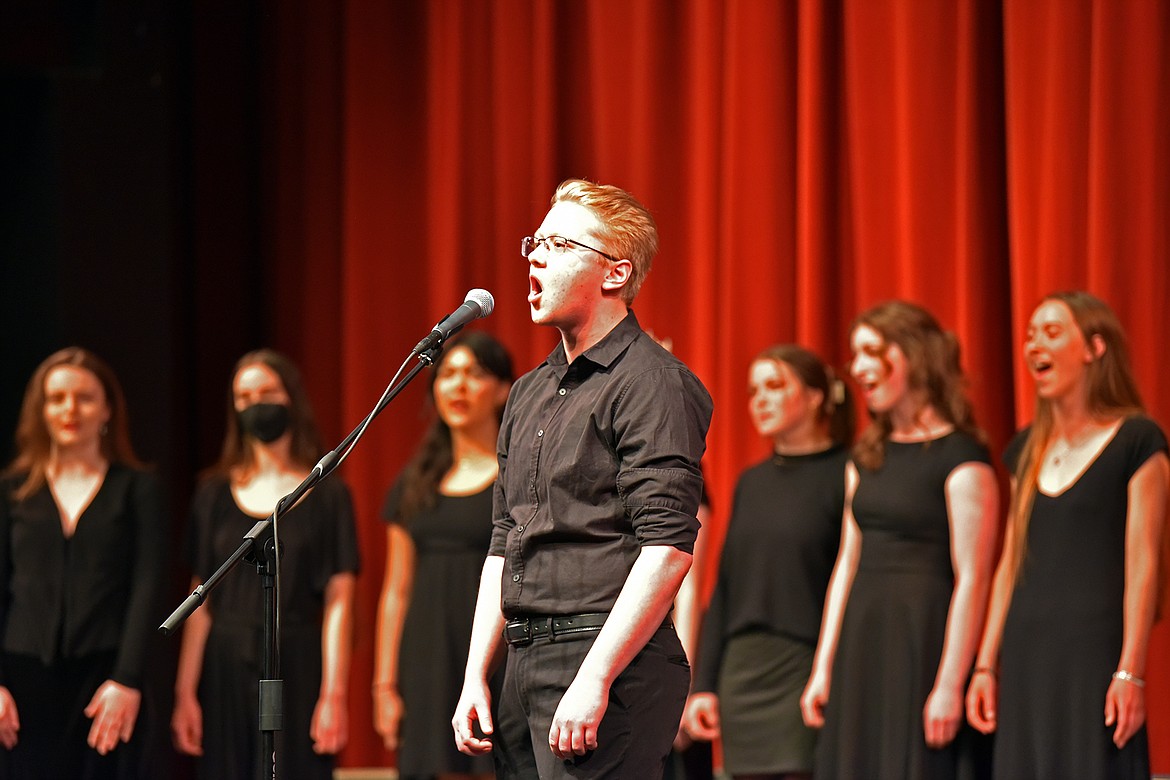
(266, 422)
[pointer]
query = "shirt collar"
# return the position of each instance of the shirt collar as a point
(606, 351)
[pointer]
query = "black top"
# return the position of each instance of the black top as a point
(92, 592)
(454, 524)
(317, 535)
(597, 459)
(1086, 522)
(779, 552)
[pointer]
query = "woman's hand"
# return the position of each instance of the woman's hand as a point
(387, 714)
(701, 716)
(187, 726)
(9, 719)
(942, 715)
(813, 700)
(329, 729)
(114, 710)
(1125, 706)
(982, 695)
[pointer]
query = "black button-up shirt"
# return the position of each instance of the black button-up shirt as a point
(597, 459)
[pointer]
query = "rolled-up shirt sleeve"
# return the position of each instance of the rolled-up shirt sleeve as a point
(501, 520)
(661, 421)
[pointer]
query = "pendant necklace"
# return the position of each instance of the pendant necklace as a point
(1068, 448)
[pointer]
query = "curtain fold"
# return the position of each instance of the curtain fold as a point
(804, 160)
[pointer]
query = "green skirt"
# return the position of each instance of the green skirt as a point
(761, 679)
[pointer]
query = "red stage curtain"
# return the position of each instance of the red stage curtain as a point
(804, 160)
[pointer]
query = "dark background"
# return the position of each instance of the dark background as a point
(108, 111)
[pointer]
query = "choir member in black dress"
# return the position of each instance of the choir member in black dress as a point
(760, 630)
(1060, 671)
(271, 445)
(909, 590)
(439, 525)
(81, 549)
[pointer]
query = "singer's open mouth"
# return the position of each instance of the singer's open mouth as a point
(534, 289)
(1040, 367)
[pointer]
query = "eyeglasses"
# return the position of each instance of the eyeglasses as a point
(557, 244)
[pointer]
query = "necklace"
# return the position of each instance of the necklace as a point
(1068, 447)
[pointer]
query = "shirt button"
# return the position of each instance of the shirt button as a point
(540, 433)
(562, 391)
(519, 529)
(515, 578)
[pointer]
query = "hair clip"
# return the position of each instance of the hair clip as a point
(838, 392)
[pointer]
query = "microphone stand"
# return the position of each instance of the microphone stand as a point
(264, 554)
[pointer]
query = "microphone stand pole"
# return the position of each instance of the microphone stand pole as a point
(264, 553)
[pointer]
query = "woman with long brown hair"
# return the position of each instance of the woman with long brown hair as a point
(909, 589)
(1060, 671)
(270, 447)
(81, 550)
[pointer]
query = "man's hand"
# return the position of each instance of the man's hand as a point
(474, 705)
(574, 724)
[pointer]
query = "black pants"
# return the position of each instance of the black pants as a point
(640, 721)
(50, 701)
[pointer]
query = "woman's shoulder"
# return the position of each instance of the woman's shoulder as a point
(333, 496)
(209, 491)
(1142, 426)
(11, 480)
(1141, 436)
(961, 446)
(212, 483)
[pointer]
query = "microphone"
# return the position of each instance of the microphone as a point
(478, 303)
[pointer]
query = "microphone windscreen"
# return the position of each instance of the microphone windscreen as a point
(482, 297)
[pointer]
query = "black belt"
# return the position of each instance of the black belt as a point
(523, 630)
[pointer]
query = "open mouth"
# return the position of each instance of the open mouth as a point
(534, 289)
(1041, 367)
